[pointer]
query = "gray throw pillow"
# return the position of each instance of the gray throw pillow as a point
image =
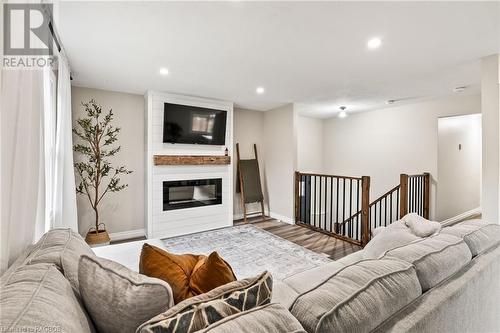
(119, 299)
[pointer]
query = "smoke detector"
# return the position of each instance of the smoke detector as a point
(458, 90)
(342, 113)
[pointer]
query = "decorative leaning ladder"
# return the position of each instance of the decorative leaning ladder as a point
(340, 206)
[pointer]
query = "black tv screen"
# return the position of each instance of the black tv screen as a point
(193, 125)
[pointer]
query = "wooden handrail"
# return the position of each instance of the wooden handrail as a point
(326, 175)
(383, 196)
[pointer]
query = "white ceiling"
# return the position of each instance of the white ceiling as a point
(311, 53)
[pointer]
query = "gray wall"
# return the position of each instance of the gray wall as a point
(121, 211)
(249, 129)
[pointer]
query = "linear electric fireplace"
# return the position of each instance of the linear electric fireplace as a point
(180, 194)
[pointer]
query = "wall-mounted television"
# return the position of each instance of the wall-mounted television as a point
(193, 125)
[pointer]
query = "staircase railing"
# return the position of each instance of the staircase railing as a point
(325, 203)
(322, 202)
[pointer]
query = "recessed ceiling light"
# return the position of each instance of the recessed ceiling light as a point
(342, 113)
(164, 71)
(260, 90)
(374, 43)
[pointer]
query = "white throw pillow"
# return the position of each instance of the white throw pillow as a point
(387, 240)
(420, 226)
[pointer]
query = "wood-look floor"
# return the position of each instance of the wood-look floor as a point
(313, 240)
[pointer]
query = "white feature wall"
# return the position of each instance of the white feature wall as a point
(159, 223)
(459, 165)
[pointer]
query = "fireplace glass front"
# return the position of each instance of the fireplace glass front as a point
(180, 194)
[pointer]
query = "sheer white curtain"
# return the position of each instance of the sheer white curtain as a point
(37, 175)
(22, 167)
(63, 205)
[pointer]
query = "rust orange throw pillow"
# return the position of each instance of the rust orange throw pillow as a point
(209, 273)
(187, 274)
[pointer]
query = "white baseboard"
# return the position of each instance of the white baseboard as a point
(282, 218)
(461, 217)
(118, 236)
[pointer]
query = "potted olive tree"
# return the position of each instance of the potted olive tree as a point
(98, 176)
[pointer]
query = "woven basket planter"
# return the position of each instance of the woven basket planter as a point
(97, 237)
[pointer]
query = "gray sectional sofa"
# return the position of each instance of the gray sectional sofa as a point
(449, 282)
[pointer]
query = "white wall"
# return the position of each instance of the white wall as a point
(459, 165)
(309, 144)
(490, 102)
(249, 129)
(280, 157)
(124, 210)
(386, 142)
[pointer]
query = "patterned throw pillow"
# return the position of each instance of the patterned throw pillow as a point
(199, 312)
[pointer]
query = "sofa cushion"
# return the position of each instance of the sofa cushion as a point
(63, 248)
(358, 297)
(201, 311)
(435, 258)
(38, 297)
(479, 235)
(263, 319)
(386, 240)
(209, 273)
(117, 298)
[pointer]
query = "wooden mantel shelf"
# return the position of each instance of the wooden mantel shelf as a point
(191, 160)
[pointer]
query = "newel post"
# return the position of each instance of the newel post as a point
(297, 197)
(365, 210)
(403, 205)
(427, 190)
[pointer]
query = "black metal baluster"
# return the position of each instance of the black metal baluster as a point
(358, 229)
(315, 199)
(318, 213)
(411, 195)
(350, 208)
(326, 202)
(392, 207)
(380, 212)
(397, 204)
(331, 204)
(343, 206)
(422, 196)
(308, 200)
(337, 207)
(300, 198)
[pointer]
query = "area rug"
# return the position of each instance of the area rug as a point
(249, 250)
